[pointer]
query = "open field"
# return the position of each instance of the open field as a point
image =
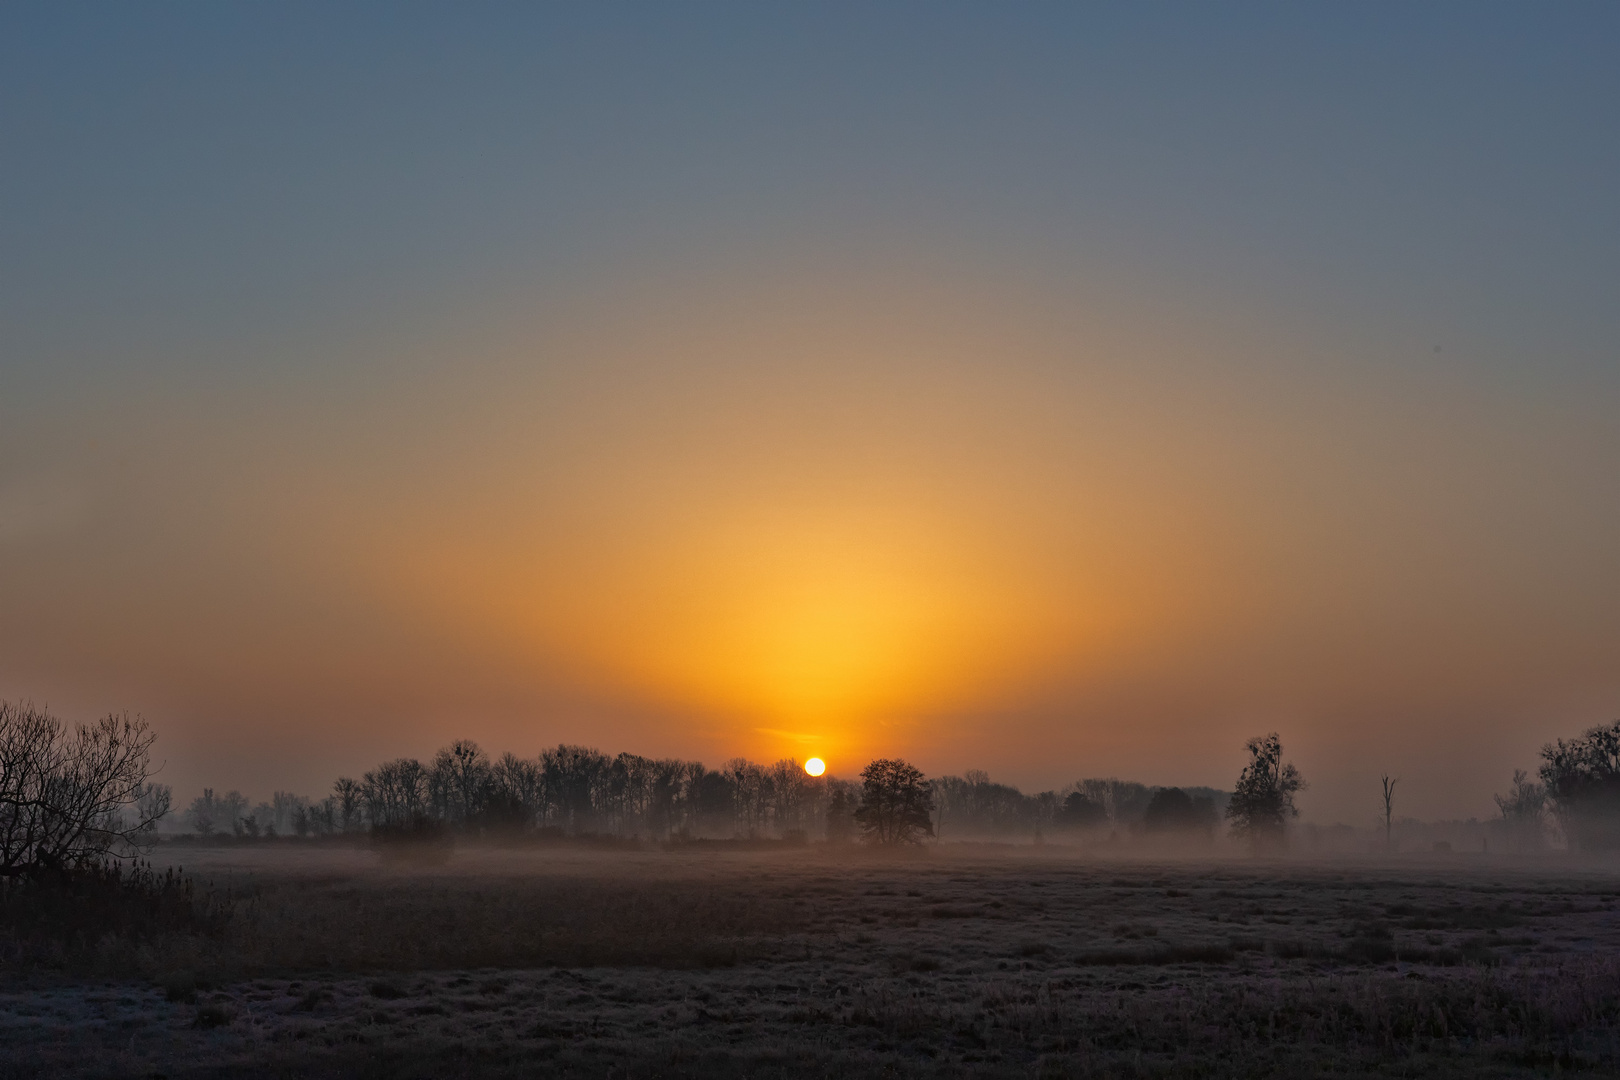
(796, 961)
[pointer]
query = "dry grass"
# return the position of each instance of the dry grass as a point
(795, 963)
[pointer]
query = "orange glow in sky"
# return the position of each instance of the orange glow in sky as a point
(1061, 391)
(968, 526)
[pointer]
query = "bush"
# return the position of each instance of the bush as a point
(70, 916)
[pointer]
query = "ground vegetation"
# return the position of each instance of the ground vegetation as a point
(789, 962)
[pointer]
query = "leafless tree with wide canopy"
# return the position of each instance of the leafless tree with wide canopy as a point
(70, 797)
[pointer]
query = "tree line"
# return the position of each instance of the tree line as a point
(1576, 793)
(80, 795)
(576, 790)
(972, 806)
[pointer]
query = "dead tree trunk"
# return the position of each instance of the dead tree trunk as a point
(1389, 807)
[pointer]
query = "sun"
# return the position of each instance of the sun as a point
(815, 766)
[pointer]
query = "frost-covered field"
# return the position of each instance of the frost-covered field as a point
(795, 961)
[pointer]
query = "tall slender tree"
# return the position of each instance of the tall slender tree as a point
(1389, 806)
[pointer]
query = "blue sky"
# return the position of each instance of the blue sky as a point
(184, 176)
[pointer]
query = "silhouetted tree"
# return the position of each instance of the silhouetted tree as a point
(1172, 810)
(1524, 812)
(1263, 800)
(713, 802)
(1389, 807)
(68, 798)
(517, 795)
(1124, 800)
(1081, 812)
(1582, 779)
(620, 795)
(233, 808)
(573, 777)
(281, 813)
(319, 818)
(458, 783)
(896, 803)
(841, 807)
(582, 790)
(204, 813)
(152, 804)
(973, 805)
(350, 798)
(395, 794)
(790, 789)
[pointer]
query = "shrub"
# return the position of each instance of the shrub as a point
(67, 916)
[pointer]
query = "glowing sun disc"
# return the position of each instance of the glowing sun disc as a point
(815, 766)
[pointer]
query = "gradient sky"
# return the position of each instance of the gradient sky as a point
(1059, 391)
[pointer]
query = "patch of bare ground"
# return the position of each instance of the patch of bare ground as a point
(803, 962)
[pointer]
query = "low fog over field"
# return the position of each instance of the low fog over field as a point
(574, 791)
(582, 914)
(802, 961)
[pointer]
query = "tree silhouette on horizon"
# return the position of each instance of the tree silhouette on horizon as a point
(1263, 800)
(896, 803)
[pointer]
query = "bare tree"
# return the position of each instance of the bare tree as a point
(350, 796)
(1524, 813)
(153, 804)
(204, 812)
(517, 791)
(840, 812)
(572, 776)
(287, 809)
(458, 782)
(1389, 806)
(974, 805)
(68, 798)
(395, 794)
(234, 806)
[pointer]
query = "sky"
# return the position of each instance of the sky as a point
(1057, 390)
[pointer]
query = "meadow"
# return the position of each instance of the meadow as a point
(806, 960)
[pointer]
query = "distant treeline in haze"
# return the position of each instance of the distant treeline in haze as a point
(576, 790)
(75, 795)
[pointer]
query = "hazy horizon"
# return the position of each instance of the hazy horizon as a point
(1059, 393)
